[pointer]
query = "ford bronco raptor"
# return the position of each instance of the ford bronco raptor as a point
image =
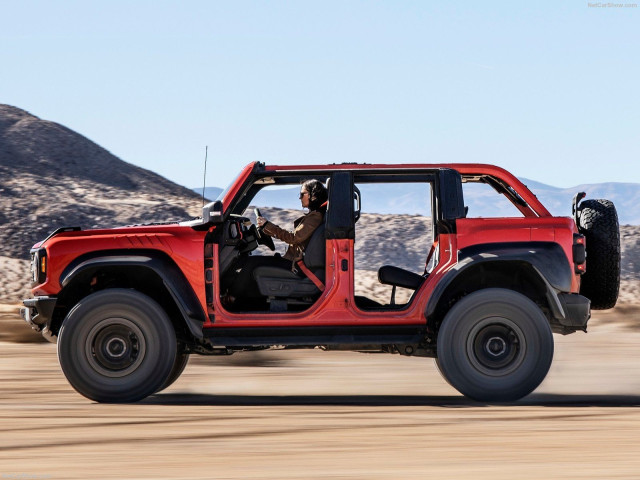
(128, 306)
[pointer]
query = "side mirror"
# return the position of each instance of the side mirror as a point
(212, 212)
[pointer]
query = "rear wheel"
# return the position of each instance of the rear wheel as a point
(598, 222)
(117, 345)
(495, 345)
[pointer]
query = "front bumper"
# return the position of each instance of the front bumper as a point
(37, 312)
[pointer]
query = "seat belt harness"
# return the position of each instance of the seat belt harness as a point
(310, 275)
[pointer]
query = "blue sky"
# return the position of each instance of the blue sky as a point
(548, 90)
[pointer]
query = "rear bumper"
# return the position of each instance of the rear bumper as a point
(37, 312)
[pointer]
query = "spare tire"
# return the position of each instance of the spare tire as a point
(598, 222)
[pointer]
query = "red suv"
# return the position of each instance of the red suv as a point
(127, 306)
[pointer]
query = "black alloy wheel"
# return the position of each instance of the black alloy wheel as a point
(495, 345)
(117, 345)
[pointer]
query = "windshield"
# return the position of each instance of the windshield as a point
(226, 196)
(224, 192)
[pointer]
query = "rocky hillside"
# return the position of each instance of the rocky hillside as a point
(51, 176)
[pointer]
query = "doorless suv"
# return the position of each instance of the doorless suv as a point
(127, 306)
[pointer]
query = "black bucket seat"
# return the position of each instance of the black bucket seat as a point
(283, 287)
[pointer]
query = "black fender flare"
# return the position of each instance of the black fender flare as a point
(157, 262)
(547, 259)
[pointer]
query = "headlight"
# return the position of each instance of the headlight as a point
(34, 269)
(38, 266)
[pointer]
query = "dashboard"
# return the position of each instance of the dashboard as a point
(241, 234)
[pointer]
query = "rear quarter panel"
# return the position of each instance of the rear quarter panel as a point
(560, 230)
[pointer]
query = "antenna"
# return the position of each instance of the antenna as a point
(204, 181)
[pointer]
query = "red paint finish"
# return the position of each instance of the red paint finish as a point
(183, 244)
(473, 231)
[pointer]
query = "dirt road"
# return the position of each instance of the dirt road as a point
(313, 414)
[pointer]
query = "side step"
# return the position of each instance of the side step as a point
(309, 336)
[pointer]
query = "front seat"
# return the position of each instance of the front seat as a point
(284, 288)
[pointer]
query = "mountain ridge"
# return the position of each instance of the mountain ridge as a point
(51, 176)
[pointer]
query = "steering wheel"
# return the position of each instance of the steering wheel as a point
(263, 238)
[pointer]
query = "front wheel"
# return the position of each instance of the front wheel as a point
(179, 364)
(495, 345)
(117, 346)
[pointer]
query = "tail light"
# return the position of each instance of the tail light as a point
(579, 253)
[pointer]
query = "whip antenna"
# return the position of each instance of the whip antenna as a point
(204, 180)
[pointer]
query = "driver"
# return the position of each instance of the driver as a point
(313, 195)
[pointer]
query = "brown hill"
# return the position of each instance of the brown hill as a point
(51, 176)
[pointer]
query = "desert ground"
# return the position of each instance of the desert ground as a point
(312, 414)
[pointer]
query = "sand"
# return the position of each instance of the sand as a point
(313, 414)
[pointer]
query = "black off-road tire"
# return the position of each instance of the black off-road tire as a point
(117, 346)
(598, 222)
(180, 363)
(436, 361)
(495, 345)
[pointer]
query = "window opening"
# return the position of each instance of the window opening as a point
(395, 228)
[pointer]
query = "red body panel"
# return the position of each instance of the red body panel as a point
(183, 244)
(474, 231)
